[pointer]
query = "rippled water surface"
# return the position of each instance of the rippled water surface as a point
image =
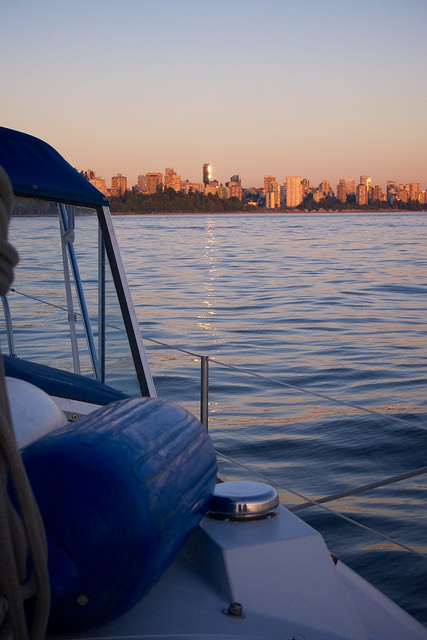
(331, 304)
(335, 304)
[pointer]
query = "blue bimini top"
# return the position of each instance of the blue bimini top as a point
(35, 169)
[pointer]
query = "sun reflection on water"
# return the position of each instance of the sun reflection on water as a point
(208, 312)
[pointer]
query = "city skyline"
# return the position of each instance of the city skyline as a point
(169, 177)
(292, 193)
(317, 88)
(214, 175)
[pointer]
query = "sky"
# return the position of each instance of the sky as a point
(318, 88)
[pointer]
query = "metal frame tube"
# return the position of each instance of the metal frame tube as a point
(128, 311)
(101, 305)
(204, 391)
(69, 298)
(81, 297)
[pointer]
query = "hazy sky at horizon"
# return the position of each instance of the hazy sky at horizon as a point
(317, 88)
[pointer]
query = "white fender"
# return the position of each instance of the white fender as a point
(33, 411)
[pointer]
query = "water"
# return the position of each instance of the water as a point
(334, 304)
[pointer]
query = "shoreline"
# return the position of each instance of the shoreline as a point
(264, 212)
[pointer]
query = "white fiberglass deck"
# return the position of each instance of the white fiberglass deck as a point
(281, 572)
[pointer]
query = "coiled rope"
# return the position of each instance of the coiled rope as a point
(22, 534)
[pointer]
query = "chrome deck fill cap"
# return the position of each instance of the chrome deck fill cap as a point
(242, 500)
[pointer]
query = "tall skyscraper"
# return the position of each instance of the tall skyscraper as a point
(351, 187)
(172, 180)
(153, 182)
(361, 194)
(342, 190)
(207, 173)
(367, 181)
(305, 186)
(403, 192)
(293, 191)
(267, 181)
(118, 185)
(377, 194)
(326, 189)
(235, 188)
(391, 191)
(414, 190)
(272, 192)
(141, 184)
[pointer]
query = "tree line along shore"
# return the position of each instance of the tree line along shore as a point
(171, 201)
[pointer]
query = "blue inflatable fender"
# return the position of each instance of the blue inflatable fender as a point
(120, 491)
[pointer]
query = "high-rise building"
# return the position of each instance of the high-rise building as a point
(172, 180)
(403, 192)
(207, 173)
(293, 191)
(326, 189)
(211, 188)
(377, 194)
(361, 194)
(366, 180)
(351, 187)
(391, 191)
(192, 187)
(270, 200)
(272, 192)
(118, 185)
(235, 188)
(141, 185)
(305, 184)
(99, 183)
(414, 189)
(267, 181)
(153, 182)
(342, 190)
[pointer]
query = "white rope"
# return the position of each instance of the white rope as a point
(20, 536)
(8, 254)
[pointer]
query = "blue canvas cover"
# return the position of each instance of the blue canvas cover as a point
(35, 169)
(62, 384)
